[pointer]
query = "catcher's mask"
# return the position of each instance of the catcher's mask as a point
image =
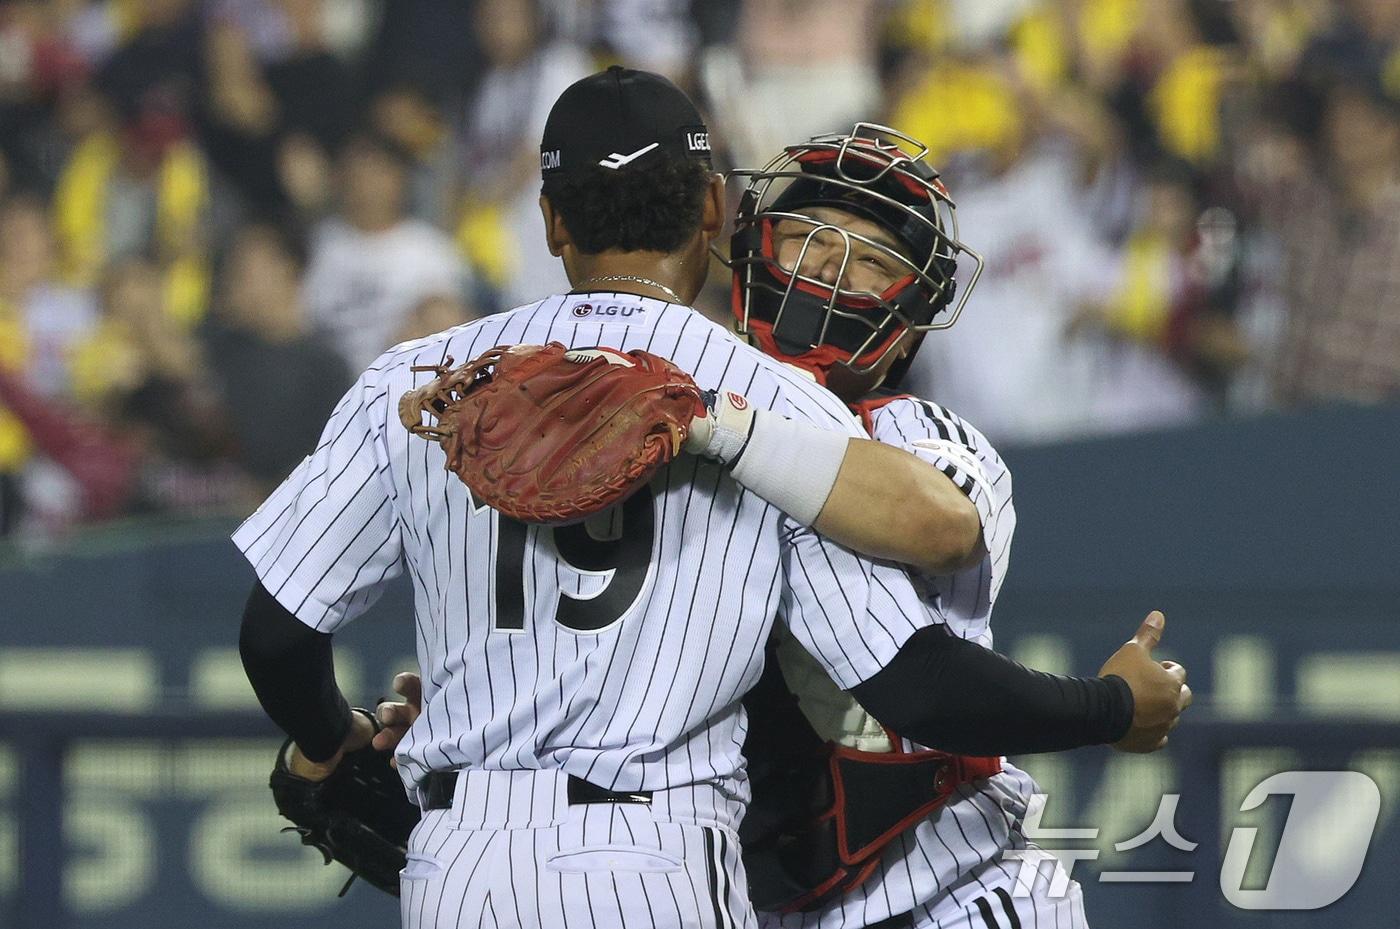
(876, 174)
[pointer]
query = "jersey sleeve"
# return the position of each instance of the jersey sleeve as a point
(327, 541)
(849, 613)
(956, 448)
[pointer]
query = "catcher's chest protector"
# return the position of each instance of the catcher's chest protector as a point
(823, 813)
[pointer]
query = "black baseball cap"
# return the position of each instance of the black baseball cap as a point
(619, 118)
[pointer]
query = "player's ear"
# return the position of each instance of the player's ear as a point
(712, 215)
(556, 235)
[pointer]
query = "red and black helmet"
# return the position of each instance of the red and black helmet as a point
(877, 174)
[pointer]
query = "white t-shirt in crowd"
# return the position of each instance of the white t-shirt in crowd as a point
(1009, 363)
(361, 287)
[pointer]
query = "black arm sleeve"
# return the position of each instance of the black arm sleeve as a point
(956, 696)
(291, 669)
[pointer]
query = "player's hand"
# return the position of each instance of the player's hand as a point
(721, 426)
(361, 732)
(1159, 688)
(397, 717)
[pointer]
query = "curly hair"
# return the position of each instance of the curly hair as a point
(656, 208)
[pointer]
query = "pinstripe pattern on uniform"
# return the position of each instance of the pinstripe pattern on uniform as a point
(512, 852)
(965, 598)
(1001, 904)
(651, 699)
(951, 862)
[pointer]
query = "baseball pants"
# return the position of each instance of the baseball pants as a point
(1046, 899)
(513, 852)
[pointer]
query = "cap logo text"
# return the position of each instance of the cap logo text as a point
(549, 160)
(697, 141)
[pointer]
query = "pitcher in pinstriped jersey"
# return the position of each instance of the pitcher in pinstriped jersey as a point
(578, 755)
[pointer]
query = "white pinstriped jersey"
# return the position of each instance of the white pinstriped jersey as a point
(956, 448)
(616, 650)
(928, 867)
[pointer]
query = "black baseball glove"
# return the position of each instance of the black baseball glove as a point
(359, 816)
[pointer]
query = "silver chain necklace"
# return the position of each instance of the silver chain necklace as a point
(633, 279)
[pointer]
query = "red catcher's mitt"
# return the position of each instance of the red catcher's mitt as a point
(546, 434)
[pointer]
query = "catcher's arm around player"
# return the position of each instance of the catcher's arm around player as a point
(926, 523)
(876, 499)
(957, 673)
(932, 687)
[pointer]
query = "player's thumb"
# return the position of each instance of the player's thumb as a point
(1149, 634)
(409, 686)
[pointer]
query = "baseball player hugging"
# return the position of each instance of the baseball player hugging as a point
(578, 757)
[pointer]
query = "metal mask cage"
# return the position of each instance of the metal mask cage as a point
(868, 309)
(858, 162)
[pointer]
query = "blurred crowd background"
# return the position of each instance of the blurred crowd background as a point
(214, 214)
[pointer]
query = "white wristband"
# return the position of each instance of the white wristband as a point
(792, 465)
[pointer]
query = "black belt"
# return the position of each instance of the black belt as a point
(438, 787)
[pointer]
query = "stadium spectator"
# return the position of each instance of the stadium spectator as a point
(156, 58)
(37, 63)
(1360, 40)
(1007, 364)
(795, 70)
(426, 43)
(501, 230)
(1164, 337)
(1182, 80)
(256, 108)
(435, 313)
(42, 322)
(144, 374)
(1339, 228)
(138, 185)
(415, 121)
(277, 382)
(654, 35)
(371, 263)
(43, 318)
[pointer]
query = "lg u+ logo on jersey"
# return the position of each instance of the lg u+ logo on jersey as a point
(620, 310)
